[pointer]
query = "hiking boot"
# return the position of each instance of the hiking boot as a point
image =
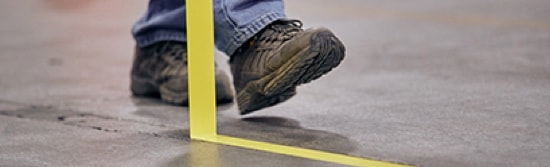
(161, 70)
(267, 69)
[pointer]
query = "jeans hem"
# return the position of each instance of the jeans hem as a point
(152, 38)
(241, 34)
(244, 33)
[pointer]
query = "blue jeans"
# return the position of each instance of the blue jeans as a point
(235, 21)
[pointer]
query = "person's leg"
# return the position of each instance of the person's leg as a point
(163, 21)
(160, 63)
(271, 55)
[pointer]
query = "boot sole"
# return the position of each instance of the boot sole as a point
(325, 53)
(224, 95)
(141, 87)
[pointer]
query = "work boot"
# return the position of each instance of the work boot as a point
(161, 70)
(267, 69)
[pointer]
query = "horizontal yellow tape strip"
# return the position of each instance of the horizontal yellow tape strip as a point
(301, 152)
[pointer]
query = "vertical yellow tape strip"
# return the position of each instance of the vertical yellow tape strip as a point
(200, 46)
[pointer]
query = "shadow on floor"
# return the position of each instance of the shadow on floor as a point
(286, 131)
(277, 130)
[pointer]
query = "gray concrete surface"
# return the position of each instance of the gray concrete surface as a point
(426, 83)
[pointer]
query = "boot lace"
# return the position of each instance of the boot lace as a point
(274, 35)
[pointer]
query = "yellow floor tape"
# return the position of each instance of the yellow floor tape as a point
(200, 63)
(202, 105)
(303, 153)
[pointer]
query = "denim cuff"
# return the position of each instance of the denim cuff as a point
(242, 34)
(228, 44)
(158, 36)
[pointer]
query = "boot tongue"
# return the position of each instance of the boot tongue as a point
(274, 37)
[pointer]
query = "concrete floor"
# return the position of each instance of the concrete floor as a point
(425, 83)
